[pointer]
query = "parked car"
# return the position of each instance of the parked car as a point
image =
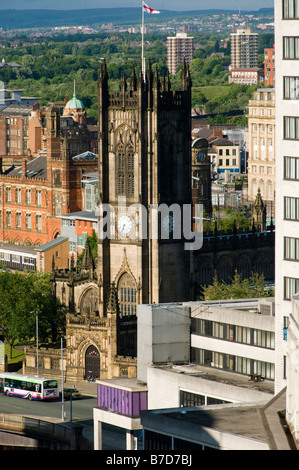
(76, 395)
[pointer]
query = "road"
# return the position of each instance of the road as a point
(82, 413)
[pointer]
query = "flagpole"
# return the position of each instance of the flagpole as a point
(142, 43)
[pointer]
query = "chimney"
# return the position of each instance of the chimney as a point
(24, 168)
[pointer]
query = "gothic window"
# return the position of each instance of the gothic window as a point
(168, 164)
(127, 295)
(57, 178)
(125, 170)
(89, 301)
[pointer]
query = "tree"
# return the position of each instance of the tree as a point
(239, 288)
(23, 296)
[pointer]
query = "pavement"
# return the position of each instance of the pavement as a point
(86, 388)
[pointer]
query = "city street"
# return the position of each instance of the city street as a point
(82, 413)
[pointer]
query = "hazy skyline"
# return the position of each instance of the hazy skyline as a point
(175, 5)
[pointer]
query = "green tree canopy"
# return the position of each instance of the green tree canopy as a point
(23, 296)
(239, 288)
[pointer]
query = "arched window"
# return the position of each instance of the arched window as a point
(125, 170)
(89, 301)
(127, 296)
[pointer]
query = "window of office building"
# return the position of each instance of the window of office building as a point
(38, 197)
(18, 220)
(8, 194)
(291, 168)
(228, 362)
(291, 248)
(291, 287)
(18, 195)
(291, 47)
(38, 222)
(291, 88)
(28, 221)
(234, 333)
(290, 9)
(72, 247)
(291, 128)
(8, 219)
(28, 196)
(291, 208)
(191, 399)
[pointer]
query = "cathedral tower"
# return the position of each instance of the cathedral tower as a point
(144, 179)
(144, 164)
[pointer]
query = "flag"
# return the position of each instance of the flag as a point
(150, 10)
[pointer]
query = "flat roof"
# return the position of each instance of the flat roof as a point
(217, 375)
(257, 421)
(124, 383)
(29, 249)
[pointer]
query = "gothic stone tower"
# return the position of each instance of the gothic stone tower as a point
(145, 160)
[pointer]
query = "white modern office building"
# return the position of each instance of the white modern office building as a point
(287, 174)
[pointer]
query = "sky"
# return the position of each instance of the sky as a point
(175, 5)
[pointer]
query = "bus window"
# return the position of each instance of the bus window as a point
(50, 384)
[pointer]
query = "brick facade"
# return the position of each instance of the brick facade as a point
(40, 189)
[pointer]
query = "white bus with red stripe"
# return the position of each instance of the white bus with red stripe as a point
(27, 386)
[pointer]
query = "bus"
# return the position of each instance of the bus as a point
(27, 386)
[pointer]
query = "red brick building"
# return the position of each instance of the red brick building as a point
(33, 194)
(269, 67)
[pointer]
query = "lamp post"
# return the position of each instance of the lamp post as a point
(62, 389)
(62, 378)
(36, 326)
(37, 343)
(71, 418)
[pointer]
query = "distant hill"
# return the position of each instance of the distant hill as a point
(23, 19)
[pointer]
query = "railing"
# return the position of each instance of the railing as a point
(37, 426)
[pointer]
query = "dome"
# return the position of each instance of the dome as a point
(74, 103)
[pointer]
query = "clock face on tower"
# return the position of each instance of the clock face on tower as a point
(200, 156)
(124, 225)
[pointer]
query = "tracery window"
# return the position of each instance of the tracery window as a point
(127, 295)
(125, 170)
(89, 301)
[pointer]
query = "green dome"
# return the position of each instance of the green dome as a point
(74, 103)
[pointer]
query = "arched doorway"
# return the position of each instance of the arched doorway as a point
(92, 362)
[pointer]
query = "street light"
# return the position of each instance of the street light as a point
(36, 323)
(62, 390)
(62, 379)
(36, 343)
